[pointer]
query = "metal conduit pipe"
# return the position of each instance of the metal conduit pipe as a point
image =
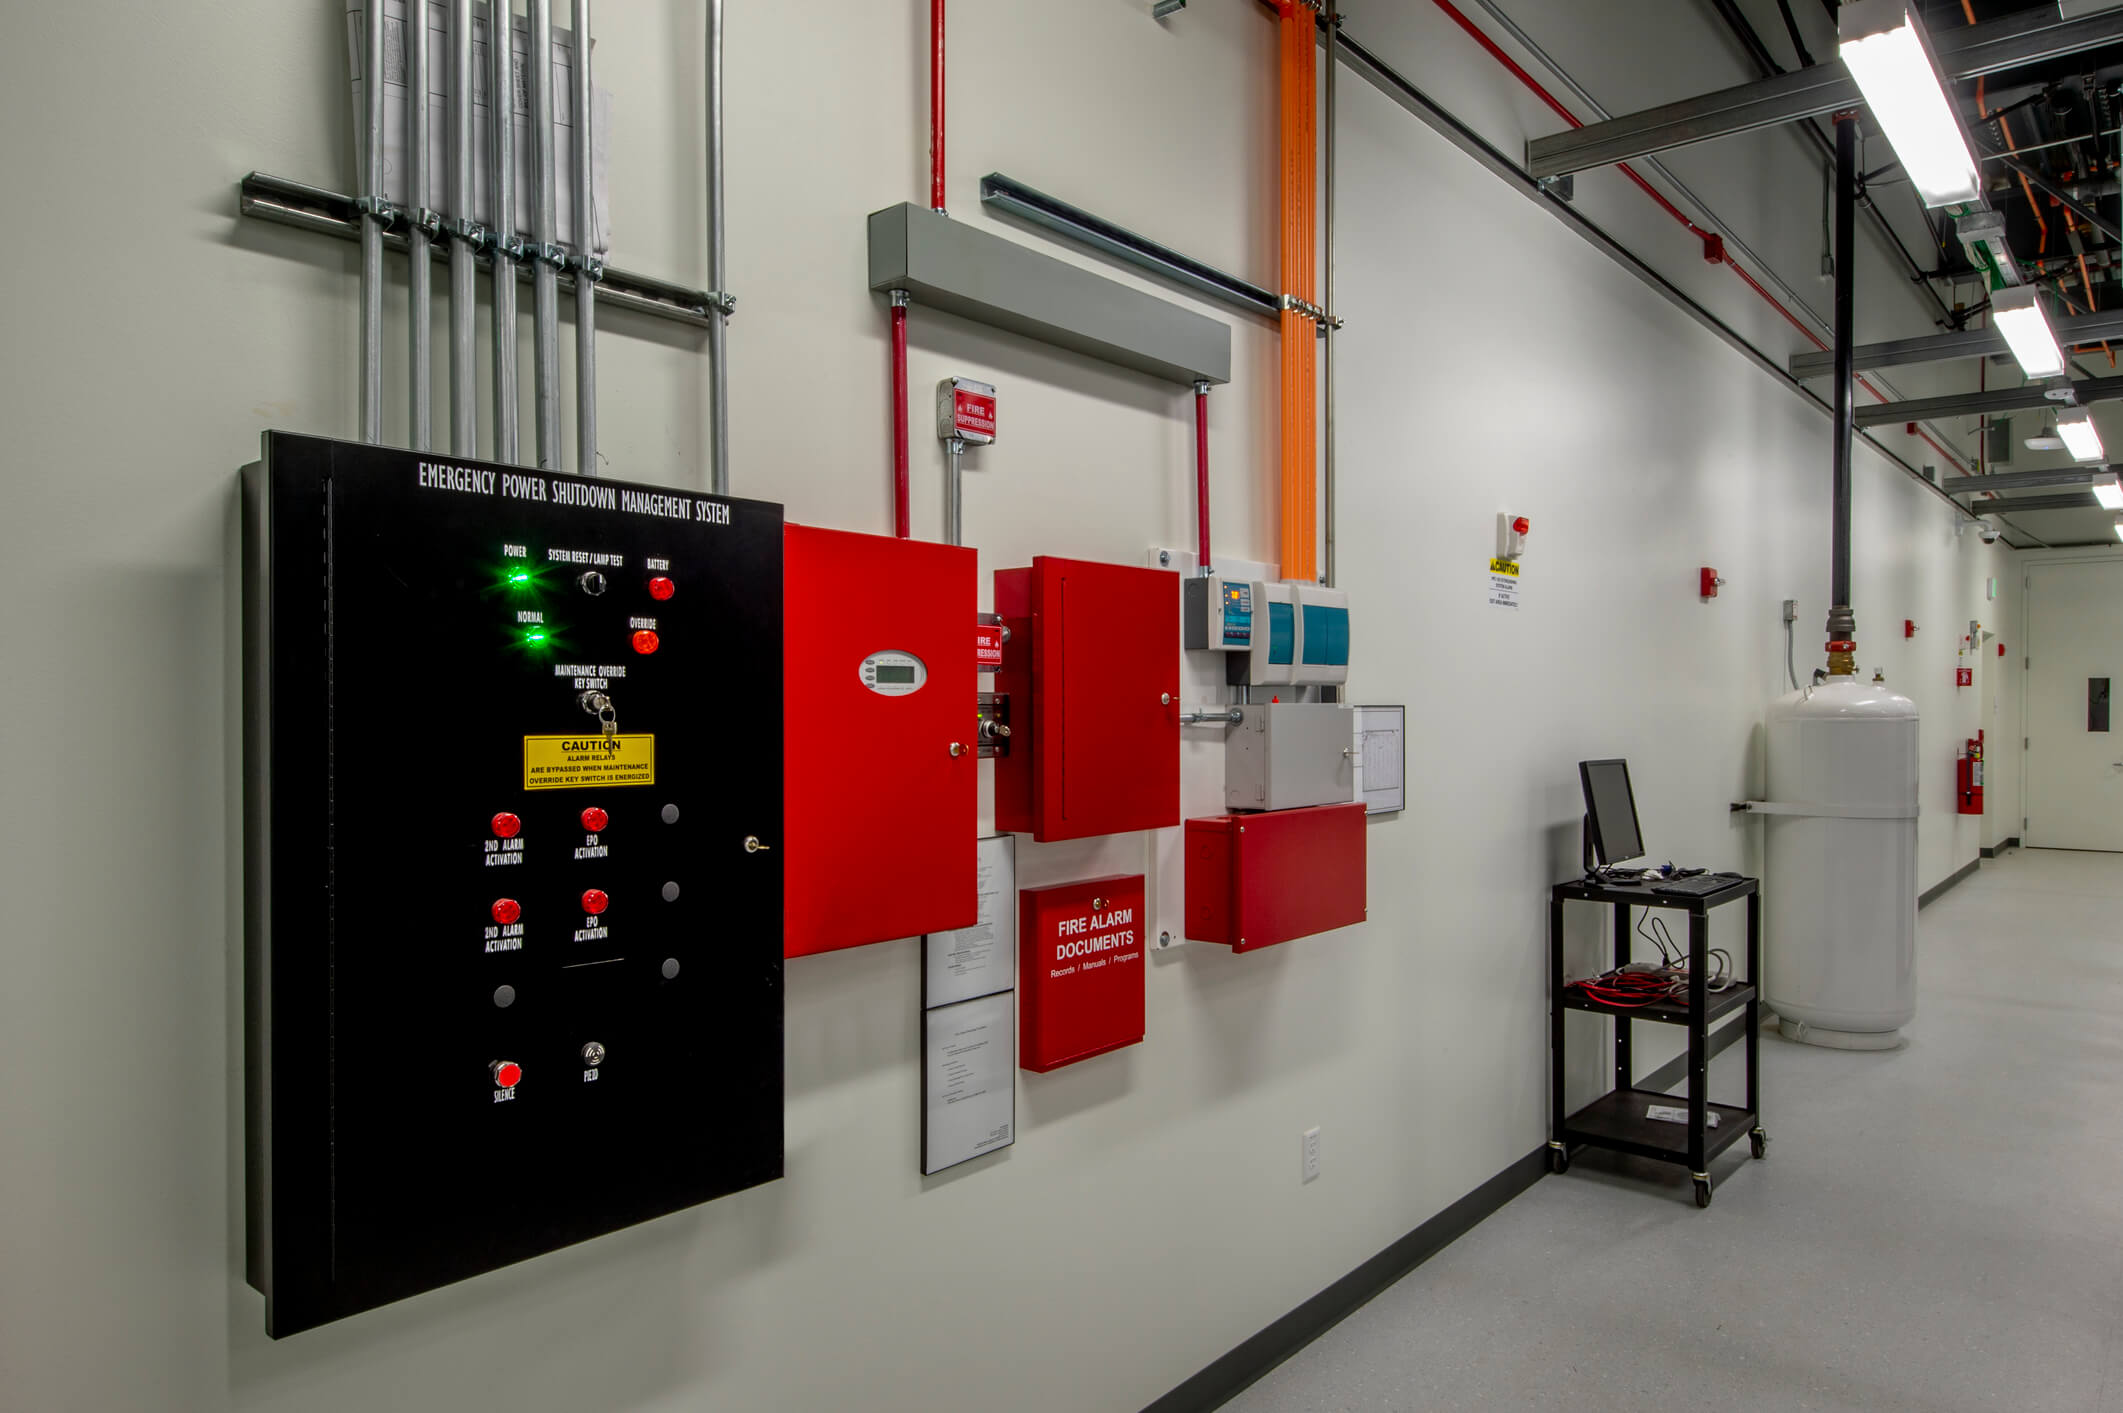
(373, 211)
(936, 107)
(464, 239)
(1203, 564)
(507, 246)
(587, 265)
(1842, 623)
(419, 268)
(545, 278)
(1327, 329)
(954, 491)
(718, 311)
(902, 525)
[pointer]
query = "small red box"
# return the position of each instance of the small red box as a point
(1964, 677)
(1094, 650)
(1254, 880)
(1080, 970)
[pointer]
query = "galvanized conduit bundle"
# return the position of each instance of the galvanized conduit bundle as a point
(468, 239)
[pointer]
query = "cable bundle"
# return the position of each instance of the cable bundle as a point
(1639, 985)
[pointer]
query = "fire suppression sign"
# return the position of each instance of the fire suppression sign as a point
(965, 410)
(1080, 970)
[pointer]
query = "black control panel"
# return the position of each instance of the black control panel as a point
(513, 747)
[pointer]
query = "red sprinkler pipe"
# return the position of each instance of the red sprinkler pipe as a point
(1201, 476)
(901, 522)
(936, 105)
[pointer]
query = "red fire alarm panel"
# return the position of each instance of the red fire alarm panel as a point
(881, 777)
(1094, 648)
(1080, 970)
(1254, 880)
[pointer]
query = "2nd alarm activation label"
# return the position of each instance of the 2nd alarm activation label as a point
(569, 762)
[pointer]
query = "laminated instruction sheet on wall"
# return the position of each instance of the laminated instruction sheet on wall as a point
(396, 188)
(969, 1022)
(1381, 761)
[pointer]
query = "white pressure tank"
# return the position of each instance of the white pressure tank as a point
(1840, 892)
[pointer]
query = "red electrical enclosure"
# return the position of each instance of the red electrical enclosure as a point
(1080, 970)
(882, 817)
(1254, 880)
(1094, 649)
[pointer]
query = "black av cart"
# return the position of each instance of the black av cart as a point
(1617, 1120)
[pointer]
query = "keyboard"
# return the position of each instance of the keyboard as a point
(1700, 886)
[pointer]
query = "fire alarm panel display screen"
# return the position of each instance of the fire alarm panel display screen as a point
(513, 932)
(890, 675)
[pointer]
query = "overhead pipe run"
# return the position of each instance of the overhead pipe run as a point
(375, 215)
(420, 223)
(1842, 623)
(587, 266)
(505, 247)
(545, 255)
(721, 304)
(465, 237)
(936, 107)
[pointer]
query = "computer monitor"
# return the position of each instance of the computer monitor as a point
(1610, 811)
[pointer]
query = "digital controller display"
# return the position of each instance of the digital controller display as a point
(901, 675)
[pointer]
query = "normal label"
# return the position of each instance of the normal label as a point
(573, 762)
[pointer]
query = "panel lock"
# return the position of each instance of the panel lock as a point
(992, 717)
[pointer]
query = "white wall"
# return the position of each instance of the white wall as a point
(1150, 1216)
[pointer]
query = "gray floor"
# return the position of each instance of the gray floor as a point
(1939, 1227)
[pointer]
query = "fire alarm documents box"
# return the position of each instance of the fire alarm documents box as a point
(1095, 649)
(882, 773)
(1080, 970)
(512, 815)
(1254, 880)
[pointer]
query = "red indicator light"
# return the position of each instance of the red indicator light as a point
(661, 587)
(1521, 525)
(507, 1073)
(645, 641)
(507, 826)
(506, 910)
(595, 819)
(594, 900)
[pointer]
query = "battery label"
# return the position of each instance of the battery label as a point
(569, 762)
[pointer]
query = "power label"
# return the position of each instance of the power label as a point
(571, 762)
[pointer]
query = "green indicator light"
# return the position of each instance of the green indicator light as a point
(520, 576)
(536, 635)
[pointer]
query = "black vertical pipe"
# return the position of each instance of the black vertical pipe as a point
(1841, 626)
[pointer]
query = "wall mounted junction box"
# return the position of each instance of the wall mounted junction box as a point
(513, 864)
(883, 815)
(1284, 755)
(1255, 880)
(1094, 649)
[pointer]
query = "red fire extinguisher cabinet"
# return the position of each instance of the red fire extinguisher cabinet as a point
(1254, 880)
(882, 819)
(1079, 970)
(1094, 649)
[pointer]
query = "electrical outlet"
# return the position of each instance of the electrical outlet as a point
(1309, 1144)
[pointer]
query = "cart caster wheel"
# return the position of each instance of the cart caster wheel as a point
(1702, 1192)
(1760, 1142)
(1558, 1160)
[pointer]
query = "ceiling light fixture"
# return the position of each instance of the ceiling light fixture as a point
(2107, 492)
(2019, 315)
(2076, 427)
(1886, 51)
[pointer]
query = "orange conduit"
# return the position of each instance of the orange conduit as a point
(1298, 88)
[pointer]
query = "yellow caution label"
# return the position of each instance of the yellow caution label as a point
(1504, 566)
(571, 762)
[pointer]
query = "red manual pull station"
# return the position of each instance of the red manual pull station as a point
(595, 901)
(662, 587)
(1909, 627)
(646, 641)
(595, 819)
(507, 826)
(2001, 650)
(1708, 584)
(506, 910)
(507, 1073)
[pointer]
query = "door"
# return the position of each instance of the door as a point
(1107, 700)
(2074, 745)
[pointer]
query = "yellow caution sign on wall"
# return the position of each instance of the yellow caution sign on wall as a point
(571, 762)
